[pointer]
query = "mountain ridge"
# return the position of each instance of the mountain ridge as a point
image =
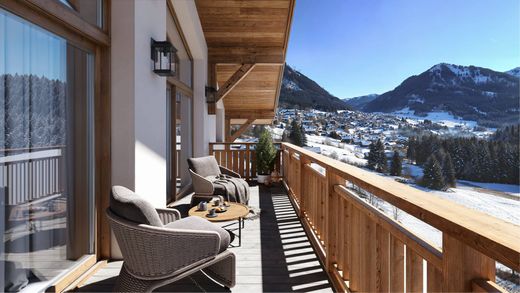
(514, 72)
(358, 103)
(470, 92)
(299, 91)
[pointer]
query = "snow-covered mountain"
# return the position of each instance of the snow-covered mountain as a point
(360, 102)
(470, 92)
(514, 72)
(299, 91)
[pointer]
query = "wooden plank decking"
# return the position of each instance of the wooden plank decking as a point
(275, 256)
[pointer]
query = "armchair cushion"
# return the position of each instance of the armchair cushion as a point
(130, 206)
(204, 166)
(197, 223)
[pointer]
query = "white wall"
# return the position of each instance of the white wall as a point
(220, 122)
(122, 93)
(138, 101)
(203, 124)
(150, 104)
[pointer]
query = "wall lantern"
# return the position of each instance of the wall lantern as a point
(211, 94)
(164, 57)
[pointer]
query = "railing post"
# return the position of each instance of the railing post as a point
(248, 163)
(462, 264)
(332, 206)
(302, 184)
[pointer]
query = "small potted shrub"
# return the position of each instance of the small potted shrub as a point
(265, 156)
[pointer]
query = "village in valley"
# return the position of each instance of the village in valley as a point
(350, 133)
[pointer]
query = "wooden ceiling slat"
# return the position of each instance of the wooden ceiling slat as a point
(239, 3)
(247, 31)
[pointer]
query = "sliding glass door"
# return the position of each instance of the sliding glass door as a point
(46, 154)
(180, 138)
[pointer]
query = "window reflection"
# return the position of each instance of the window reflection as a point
(46, 171)
(183, 58)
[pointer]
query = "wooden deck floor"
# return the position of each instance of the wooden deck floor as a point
(275, 255)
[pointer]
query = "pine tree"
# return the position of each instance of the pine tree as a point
(376, 157)
(448, 171)
(371, 160)
(265, 153)
(304, 136)
(432, 177)
(381, 157)
(412, 145)
(296, 134)
(396, 167)
(284, 136)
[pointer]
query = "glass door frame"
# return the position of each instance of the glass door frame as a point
(176, 87)
(66, 23)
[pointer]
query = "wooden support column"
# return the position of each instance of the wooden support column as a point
(212, 81)
(463, 264)
(227, 129)
(234, 80)
(241, 130)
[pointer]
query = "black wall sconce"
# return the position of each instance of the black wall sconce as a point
(211, 94)
(164, 57)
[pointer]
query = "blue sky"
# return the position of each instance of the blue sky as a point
(358, 47)
(28, 49)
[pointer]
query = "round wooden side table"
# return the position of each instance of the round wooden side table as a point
(235, 212)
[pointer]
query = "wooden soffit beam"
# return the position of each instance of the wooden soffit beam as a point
(241, 130)
(243, 55)
(249, 114)
(233, 81)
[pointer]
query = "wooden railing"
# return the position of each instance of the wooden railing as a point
(240, 157)
(30, 174)
(365, 250)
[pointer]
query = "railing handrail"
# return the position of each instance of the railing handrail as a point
(491, 236)
(230, 143)
(33, 148)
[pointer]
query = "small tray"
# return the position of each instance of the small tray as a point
(211, 216)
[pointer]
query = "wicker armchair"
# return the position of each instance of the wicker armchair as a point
(200, 170)
(155, 255)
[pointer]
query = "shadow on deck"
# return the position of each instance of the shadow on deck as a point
(275, 256)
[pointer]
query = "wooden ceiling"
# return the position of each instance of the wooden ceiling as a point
(254, 32)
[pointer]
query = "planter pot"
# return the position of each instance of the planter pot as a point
(264, 179)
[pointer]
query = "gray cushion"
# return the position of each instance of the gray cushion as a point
(198, 223)
(128, 205)
(204, 166)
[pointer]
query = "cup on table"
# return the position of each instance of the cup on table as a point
(203, 206)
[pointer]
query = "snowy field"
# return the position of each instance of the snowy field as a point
(440, 117)
(510, 189)
(347, 152)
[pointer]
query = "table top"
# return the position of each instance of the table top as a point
(234, 212)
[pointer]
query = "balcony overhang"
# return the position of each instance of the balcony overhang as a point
(247, 44)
